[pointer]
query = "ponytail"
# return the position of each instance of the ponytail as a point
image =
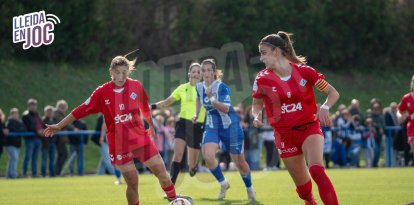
(283, 41)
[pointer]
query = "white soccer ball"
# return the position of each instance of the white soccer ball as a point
(180, 201)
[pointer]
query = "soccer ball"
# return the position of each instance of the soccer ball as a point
(180, 201)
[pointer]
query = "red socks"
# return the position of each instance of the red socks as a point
(326, 189)
(170, 191)
(137, 203)
(305, 192)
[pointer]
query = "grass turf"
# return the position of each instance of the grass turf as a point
(353, 186)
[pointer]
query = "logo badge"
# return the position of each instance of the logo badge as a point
(303, 82)
(107, 102)
(34, 29)
(133, 96)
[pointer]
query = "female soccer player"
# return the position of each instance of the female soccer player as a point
(285, 89)
(222, 125)
(121, 101)
(406, 106)
(186, 132)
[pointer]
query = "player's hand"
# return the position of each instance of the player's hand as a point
(51, 130)
(257, 123)
(194, 120)
(209, 92)
(323, 115)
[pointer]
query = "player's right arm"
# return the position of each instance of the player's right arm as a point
(163, 103)
(257, 109)
(257, 103)
(52, 129)
(198, 108)
(175, 96)
(90, 106)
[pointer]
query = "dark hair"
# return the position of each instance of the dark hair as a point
(282, 40)
(218, 73)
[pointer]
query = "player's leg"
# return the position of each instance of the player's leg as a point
(209, 151)
(179, 146)
(233, 140)
(193, 140)
(298, 170)
(313, 150)
(192, 155)
(130, 175)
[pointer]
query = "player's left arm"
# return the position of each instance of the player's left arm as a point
(145, 110)
(223, 103)
(332, 97)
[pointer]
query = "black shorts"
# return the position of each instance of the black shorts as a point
(191, 133)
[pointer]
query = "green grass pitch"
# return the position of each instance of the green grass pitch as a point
(353, 186)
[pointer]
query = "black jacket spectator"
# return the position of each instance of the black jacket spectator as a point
(76, 139)
(15, 126)
(32, 122)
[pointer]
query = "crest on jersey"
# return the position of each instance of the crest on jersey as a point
(133, 96)
(303, 82)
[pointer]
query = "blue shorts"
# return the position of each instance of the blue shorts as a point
(231, 138)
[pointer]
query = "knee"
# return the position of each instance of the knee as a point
(317, 171)
(208, 157)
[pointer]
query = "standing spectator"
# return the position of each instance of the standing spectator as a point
(327, 144)
(391, 119)
(33, 124)
(272, 156)
(159, 138)
(357, 129)
(368, 143)
(2, 129)
(105, 162)
(255, 141)
(354, 109)
(378, 119)
(48, 145)
(406, 107)
(169, 137)
(13, 143)
(76, 151)
(62, 140)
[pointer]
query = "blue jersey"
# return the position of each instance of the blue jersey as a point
(216, 119)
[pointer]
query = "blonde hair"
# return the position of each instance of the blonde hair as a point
(122, 61)
(218, 74)
(61, 102)
(284, 42)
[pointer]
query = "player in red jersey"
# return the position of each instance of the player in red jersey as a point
(122, 100)
(285, 89)
(407, 106)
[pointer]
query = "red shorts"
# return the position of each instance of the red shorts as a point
(142, 154)
(289, 142)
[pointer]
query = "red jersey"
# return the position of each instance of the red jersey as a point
(289, 102)
(121, 107)
(407, 104)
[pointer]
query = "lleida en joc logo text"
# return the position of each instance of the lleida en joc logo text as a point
(34, 29)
